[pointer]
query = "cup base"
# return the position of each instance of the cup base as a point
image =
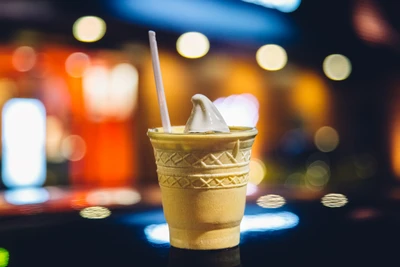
(205, 240)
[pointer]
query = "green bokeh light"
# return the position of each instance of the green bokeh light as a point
(4, 256)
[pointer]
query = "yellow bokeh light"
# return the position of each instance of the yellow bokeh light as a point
(318, 174)
(257, 171)
(271, 57)
(24, 58)
(95, 212)
(271, 201)
(337, 67)
(326, 139)
(76, 64)
(334, 200)
(89, 29)
(192, 45)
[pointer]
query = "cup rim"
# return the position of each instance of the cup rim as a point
(236, 131)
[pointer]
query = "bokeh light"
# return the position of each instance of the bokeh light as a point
(271, 57)
(257, 171)
(334, 200)
(192, 45)
(105, 197)
(337, 67)
(99, 197)
(318, 174)
(251, 189)
(23, 142)
(89, 29)
(73, 147)
(159, 233)
(95, 88)
(326, 139)
(123, 93)
(95, 212)
(54, 135)
(126, 197)
(271, 201)
(24, 58)
(110, 93)
(370, 23)
(76, 64)
(4, 257)
(285, 6)
(366, 213)
(239, 110)
(26, 196)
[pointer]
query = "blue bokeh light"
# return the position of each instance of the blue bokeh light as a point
(285, 6)
(26, 196)
(159, 233)
(224, 20)
(255, 220)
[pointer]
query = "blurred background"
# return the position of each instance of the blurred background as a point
(319, 80)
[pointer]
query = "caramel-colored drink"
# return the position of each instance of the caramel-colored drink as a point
(203, 179)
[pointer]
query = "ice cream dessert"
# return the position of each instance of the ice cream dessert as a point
(203, 170)
(205, 117)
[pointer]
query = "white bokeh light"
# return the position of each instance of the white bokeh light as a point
(239, 110)
(251, 189)
(89, 29)
(271, 57)
(23, 143)
(337, 67)
(124, 79)
(192, 45)
(110, 93)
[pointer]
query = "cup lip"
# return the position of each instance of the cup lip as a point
(236, 132)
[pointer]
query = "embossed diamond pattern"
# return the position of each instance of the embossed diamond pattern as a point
(202, 182)
(181, 159)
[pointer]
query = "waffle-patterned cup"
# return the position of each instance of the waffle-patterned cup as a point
(203, 180)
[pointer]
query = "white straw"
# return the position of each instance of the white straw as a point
(159, 84)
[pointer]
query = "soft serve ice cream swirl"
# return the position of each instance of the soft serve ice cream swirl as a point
(205, 117)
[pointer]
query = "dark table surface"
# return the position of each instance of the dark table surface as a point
(364, 232)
